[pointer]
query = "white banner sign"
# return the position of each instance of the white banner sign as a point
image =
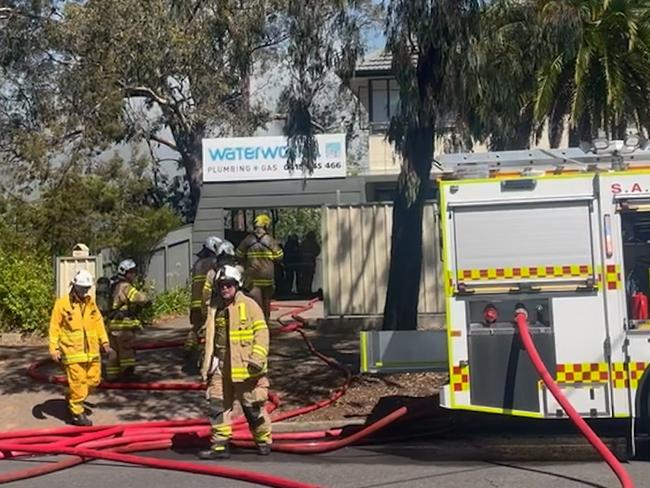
(265, 158)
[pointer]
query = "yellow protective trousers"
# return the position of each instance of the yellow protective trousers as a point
(251, 395)
(123, 343)
(82, 378)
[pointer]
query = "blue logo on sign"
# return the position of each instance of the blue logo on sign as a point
(247, 153)
(333, 150)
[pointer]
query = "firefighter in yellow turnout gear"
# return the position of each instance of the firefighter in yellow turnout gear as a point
(76, 338)
(201, 290)
(235, 364)
(258, 252)
(123, 321)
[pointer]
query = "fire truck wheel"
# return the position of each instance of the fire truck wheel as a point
(643, 404)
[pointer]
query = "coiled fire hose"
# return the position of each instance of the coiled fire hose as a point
(521, 320)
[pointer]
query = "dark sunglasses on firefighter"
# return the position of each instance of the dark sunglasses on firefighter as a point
(226, 284)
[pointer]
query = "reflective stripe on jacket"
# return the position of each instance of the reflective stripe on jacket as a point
(122, 316)
(258, 252)
(237, 335)
(200, 271)
(76, 330)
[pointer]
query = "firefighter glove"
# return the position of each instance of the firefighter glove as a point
(254, 366)
(108, 350)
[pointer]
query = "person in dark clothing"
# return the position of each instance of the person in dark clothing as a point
(291, 260)
(309, 251)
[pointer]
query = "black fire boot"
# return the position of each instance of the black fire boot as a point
(263, 449)
(216, 451)
(129, 375)
(80, 420)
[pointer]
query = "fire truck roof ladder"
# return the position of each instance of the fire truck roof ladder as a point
(533, 162)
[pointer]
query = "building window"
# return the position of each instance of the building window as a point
(384, 101)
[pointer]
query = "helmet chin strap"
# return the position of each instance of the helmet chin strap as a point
(79, 293)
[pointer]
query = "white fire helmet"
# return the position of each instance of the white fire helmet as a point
(212, 244)
(83, 279)
(229, 273)
(126, 266)
(226, 247)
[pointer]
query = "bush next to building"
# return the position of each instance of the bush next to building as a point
(169, 303)
(26, 291)
(172, 302)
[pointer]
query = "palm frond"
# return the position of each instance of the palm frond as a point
(580, 79)
(547, 83)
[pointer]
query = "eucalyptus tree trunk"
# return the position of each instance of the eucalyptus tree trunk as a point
(404, 276)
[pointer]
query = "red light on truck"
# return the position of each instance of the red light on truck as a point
(490, 314)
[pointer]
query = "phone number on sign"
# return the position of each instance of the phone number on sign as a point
(334, 165)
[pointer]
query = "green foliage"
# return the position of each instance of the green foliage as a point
(26, 291)
(137, 234)
(169, 73)
(167, 303)
(297, 221)
(499, 75)
(114, 205)
(596, 72)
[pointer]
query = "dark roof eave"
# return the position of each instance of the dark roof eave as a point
(369, 73)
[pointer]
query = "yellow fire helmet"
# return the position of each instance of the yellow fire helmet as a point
(262, 220)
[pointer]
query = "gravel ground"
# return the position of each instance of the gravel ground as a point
(366, 393)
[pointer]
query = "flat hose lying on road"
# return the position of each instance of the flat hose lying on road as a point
(213, 470)
(112, 442)
(521, 319)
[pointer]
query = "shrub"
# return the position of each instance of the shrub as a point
(26, 291)
(298, 221)
(171, 302)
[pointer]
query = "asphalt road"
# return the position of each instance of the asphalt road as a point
(411, 465)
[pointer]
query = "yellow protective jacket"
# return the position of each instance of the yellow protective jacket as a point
(77, 330)
(237, 335)
(200, 272)
(123, 315)
(258, 252)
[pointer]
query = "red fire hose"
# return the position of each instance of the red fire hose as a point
(110, 442)
(333, 445)
(95, 428)
(213, 470)
(521, 319)
(35, 373)
(75, 460)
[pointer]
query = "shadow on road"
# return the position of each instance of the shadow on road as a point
(56, 408)
(550, 473)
